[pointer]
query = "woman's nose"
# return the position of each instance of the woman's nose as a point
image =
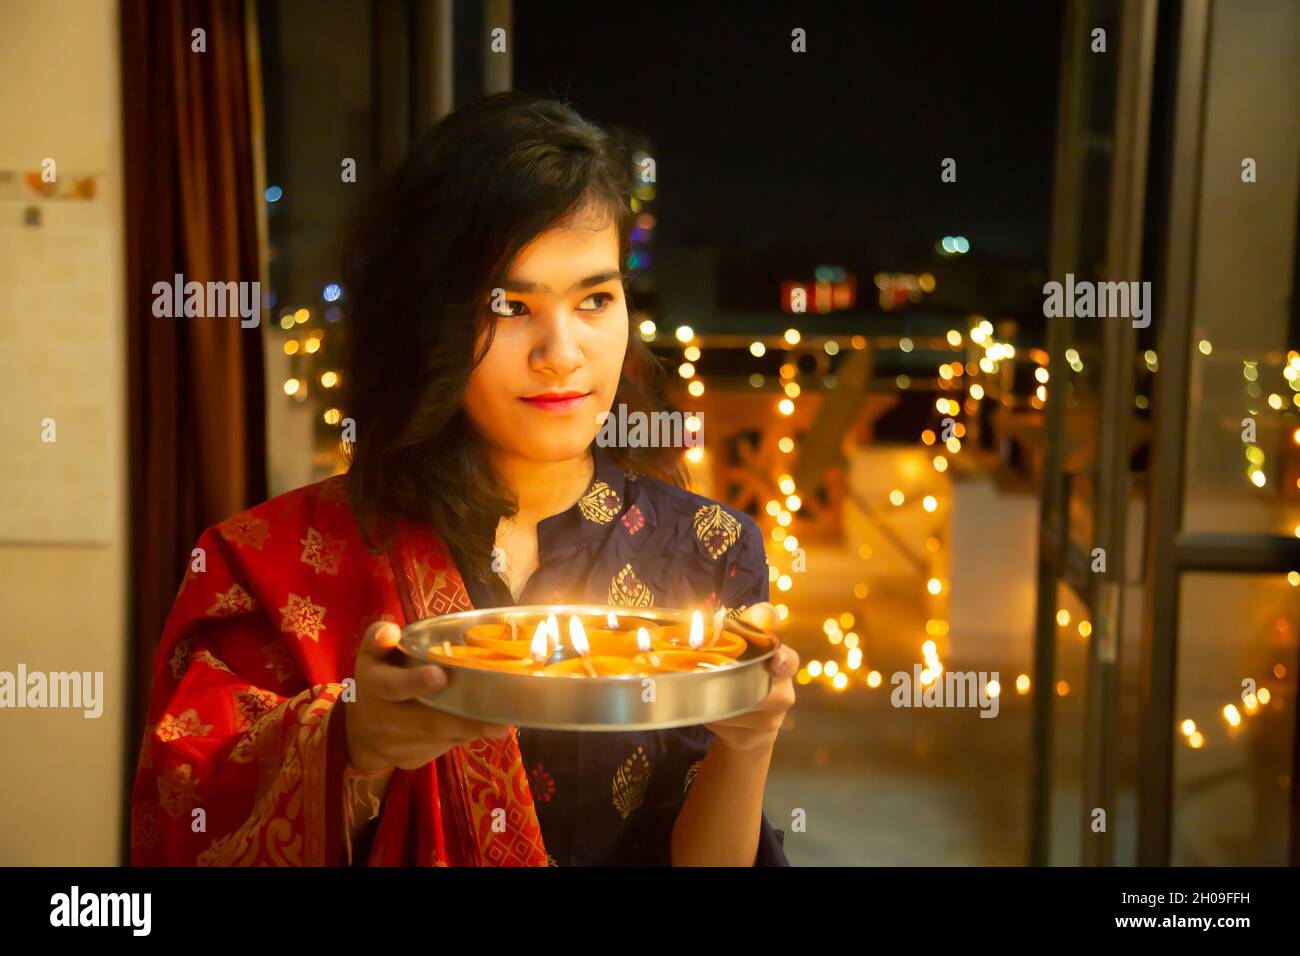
(558, 350)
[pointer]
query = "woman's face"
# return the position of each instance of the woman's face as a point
(556, 357)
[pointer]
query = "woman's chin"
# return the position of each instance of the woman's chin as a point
(557, 449)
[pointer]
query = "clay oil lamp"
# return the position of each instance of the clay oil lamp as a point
(501, 655)
(646, 658)
(694, 656)
(577, 660)
(720, 642)
(610, 637)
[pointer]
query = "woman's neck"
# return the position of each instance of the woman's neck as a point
(544, 488)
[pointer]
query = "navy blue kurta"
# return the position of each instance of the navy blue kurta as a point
(611, 798)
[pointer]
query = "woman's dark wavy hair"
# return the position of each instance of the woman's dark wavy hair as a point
(420, 263)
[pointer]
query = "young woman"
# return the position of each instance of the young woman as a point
(488, 331)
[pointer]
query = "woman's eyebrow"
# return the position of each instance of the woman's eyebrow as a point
(519, 285)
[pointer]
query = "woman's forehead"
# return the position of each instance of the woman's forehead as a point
(585, 242)
(566, 254)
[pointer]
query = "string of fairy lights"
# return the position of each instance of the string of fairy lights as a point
(304, 344)
(986, 372)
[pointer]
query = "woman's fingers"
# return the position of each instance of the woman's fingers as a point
(396, 684)
(390, 682)
(434, 722)
(763, 616)
(784, 664)
(380, 638)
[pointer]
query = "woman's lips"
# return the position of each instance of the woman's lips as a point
(556, 401)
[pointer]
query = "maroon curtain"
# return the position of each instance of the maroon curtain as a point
(197, 428)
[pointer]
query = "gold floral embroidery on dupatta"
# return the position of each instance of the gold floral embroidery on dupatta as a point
(279, 661)
(630, 782)
(144, 826)
(691, 771)
(181, 657)
(601, 504)
(252, 702)
(204, 656)
(628, 590)
(254, 743)
(245, 531)
(491, 778)
(322, 553)
(273, 835)
(232, 602)
(432, 581)
(176, 792)
(188, 724)
(303, 618)
(716, 530)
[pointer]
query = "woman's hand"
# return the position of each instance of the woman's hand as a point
(386, 727)
(757, 728)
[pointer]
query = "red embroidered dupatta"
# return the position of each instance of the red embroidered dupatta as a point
(243, 753)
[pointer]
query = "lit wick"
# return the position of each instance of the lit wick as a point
(578, 638)
(643, 644)
(696, 639)
(540, 648)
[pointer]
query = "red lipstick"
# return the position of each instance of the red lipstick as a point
(555, 401)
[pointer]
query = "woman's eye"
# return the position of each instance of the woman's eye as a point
(508, 308)
(603, 299)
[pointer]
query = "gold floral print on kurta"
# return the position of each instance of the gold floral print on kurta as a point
(302, 618)
(322, 553)
(600, 504)
(716, 529)
(630, 782)
(232, 602)
(188, 724)
(176, 792)
(628, 590)
(691, 771)
(245, 531)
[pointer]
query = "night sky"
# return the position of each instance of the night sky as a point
(758, 145)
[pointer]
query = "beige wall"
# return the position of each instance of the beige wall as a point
(62, 355)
